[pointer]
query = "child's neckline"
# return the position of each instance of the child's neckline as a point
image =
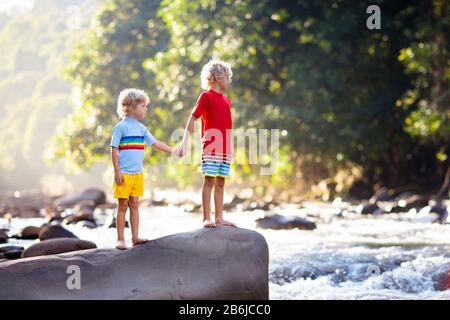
(130, 118)
(216, 92)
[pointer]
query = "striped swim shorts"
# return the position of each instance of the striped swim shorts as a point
(216, 165)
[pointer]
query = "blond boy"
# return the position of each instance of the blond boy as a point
(214, 109)
(128, 141)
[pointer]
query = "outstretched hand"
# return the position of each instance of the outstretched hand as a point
(181, 150)
(176, 152)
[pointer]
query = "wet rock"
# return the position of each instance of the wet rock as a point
(387, 206)
(415, 201)
(11, 248)
(442, 212)
(441, 279)
(283, 275)
(55, 218)
(380, 195)
(12, 255)
(111, 223)
(55, 231)
(434, 213)
(359, 190)
(403, 196)
(84, 212)
(159, 203)
(3, 236)
(280, 222)
(367, 208)
(30, 233)
(96, 195)
(191, 208)
(379, 212)
(85, 206)
(208, 263)
(87, 224)
(52, 213)
(80, 216)
(233, 203)
(56, 246)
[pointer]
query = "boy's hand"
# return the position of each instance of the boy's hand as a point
(181, 150)
(118, 178)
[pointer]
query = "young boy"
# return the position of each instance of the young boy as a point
(214, 108)
(127, 153)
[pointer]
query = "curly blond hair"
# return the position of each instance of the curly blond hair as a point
(212, 70)
(129, 99)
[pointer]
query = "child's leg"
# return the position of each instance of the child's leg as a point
(208, 184)
(218, 202)
(120, 221)
(133, 204)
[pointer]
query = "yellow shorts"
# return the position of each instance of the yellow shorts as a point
(132, 185)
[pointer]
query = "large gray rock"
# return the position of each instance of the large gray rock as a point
(55, 246)
(280, 222)
(214, 263)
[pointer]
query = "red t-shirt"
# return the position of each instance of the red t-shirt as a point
(214, 109)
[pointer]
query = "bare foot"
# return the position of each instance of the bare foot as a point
(139, 241)
(207, 223)
(225, 223)
(121, 245)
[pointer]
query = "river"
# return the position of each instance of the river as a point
(352, 257)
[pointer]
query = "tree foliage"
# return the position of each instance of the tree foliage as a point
(341, 93)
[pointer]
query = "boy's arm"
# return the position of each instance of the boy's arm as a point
(161, 146)
(115, 161)
(181, 150)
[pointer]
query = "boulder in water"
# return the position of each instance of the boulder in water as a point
(53, 231)
(441, 278)
(80, 216)
(280, 222)
(208, 263)
(415, 201)
(11, 255)
(30, 233)
(55, 246)
(3, 236)
(367, 208)
(380, 195)
(233, 203)
(434, 213)
(87, 224)
(111, 223)
(10, 248)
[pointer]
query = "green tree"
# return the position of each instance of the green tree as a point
(337, 90)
